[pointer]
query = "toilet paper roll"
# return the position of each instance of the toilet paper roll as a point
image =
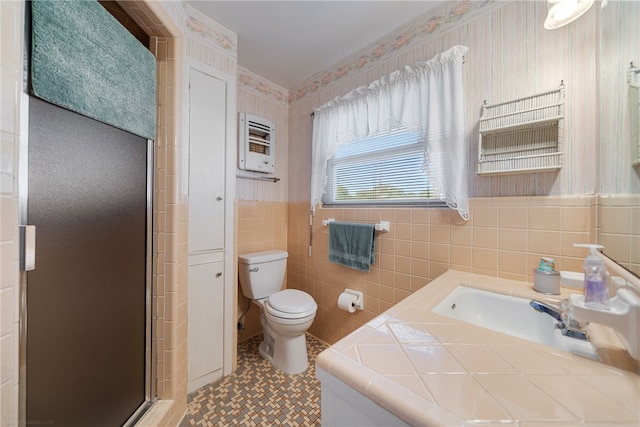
(346, 302)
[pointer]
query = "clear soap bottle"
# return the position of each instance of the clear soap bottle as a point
(596, 289)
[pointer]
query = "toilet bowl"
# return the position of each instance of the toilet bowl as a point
(285, 315)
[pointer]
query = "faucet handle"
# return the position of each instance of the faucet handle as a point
(545, 308)
(568, 317)
(567, 323)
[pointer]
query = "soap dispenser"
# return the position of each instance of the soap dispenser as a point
(596, 290)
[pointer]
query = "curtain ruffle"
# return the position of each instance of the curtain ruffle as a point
(427, 98)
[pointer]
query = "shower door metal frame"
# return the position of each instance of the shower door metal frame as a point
(150, 392)
(23, 198)
(149, 386)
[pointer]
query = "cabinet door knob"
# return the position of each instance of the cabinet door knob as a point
(218, 274)
(219, 198)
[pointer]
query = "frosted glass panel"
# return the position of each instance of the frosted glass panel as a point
(86, 297)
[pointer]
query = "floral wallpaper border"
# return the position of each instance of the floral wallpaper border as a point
(209, 31)
(447, 15)
(262, 86)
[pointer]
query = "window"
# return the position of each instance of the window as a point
(428, 98)
(387, 169)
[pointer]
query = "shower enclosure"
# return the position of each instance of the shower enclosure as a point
(86, 304)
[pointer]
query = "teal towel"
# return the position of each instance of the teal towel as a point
(352, 245)
(84, 60)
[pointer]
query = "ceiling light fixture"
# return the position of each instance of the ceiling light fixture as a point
(562, 12)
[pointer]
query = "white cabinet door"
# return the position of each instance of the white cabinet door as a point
(207, 135)
(205, 320)
(207, 141)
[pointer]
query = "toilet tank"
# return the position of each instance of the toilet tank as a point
(262, 273)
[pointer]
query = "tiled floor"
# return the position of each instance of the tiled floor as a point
(256, 394)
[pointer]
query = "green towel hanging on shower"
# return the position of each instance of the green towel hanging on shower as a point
(84, 60)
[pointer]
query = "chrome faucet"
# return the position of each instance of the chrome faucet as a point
(568, 325)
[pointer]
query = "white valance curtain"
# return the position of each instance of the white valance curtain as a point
(426, 98)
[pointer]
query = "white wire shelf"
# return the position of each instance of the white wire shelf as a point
(520, 136)
(521, 164)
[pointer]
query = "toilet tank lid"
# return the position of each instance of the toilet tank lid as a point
(265, 256)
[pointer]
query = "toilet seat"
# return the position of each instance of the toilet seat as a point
(291, 304)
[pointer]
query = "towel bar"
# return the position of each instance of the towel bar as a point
(382, 226)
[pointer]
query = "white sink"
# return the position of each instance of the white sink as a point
(509, 315)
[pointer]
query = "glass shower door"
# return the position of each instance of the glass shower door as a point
(86, 300)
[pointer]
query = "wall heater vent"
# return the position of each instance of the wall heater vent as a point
(257, 144)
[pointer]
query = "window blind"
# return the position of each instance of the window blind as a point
(386, 169)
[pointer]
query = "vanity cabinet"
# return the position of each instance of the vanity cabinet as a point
(342, 406)
(392, 372)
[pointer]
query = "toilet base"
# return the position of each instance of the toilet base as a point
(290, 354)
(285, 345)
(265, 351)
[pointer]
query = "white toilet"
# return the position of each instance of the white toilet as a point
(285, 314)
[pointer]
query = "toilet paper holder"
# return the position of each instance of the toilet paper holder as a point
(359, 302)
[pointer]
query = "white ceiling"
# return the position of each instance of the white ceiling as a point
(287, 42)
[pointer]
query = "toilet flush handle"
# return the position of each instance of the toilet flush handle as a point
(254, 269)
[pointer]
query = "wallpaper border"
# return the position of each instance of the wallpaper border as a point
(443, 17)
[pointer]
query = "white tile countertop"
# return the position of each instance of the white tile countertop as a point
(427, 369)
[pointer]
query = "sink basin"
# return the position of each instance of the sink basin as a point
(509, 315)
